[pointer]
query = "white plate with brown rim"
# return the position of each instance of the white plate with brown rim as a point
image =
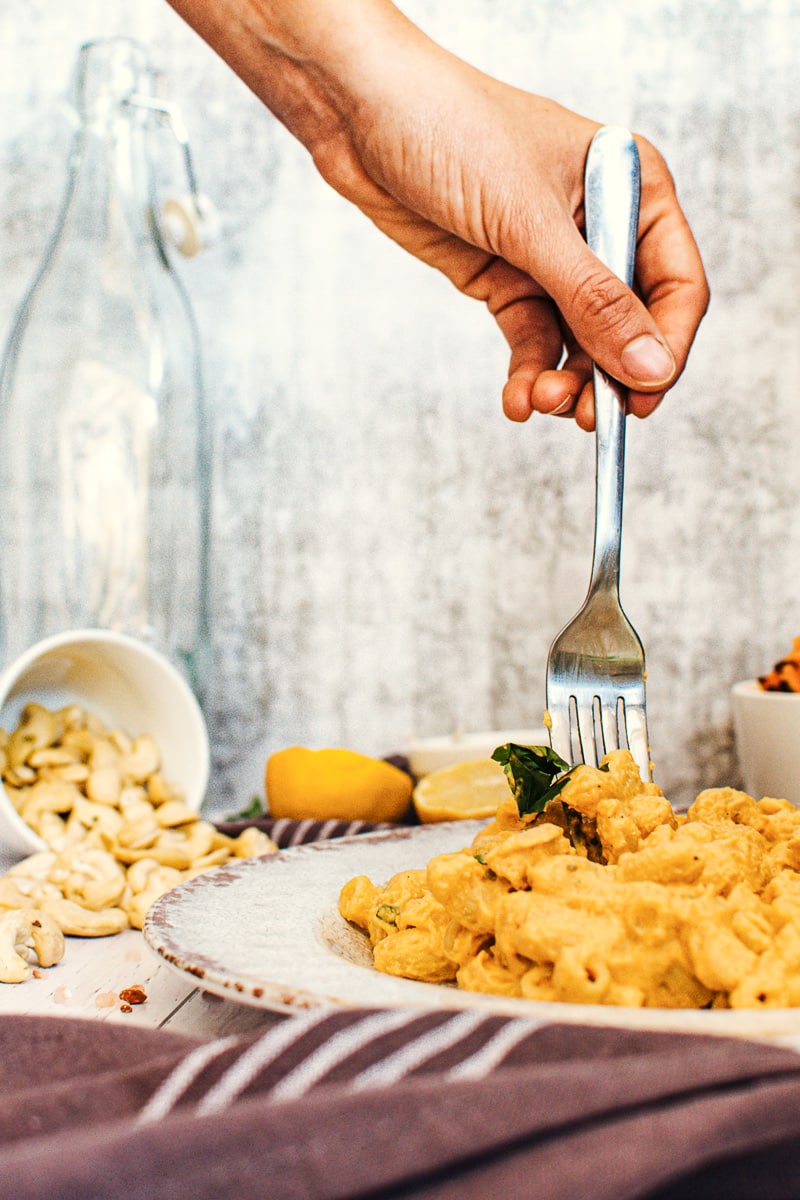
(267, 932)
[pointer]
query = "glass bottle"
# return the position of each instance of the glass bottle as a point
(104, 457)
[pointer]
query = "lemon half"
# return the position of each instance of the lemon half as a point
(333, 784)
(465, 791)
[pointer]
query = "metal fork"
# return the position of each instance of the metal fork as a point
(595, 692)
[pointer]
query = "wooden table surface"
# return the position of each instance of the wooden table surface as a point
(88, 981)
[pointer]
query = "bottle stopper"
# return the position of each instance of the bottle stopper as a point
(190, 223)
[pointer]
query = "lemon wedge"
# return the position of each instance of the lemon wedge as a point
(464, 791)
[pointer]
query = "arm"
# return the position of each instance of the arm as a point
(480, 180)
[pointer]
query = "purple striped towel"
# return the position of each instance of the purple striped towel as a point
(340, 1104)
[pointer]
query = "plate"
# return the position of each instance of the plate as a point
(267, 932)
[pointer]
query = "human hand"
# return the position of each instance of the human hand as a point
(482, 181)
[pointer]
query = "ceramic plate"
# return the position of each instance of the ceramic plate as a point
(267, 932)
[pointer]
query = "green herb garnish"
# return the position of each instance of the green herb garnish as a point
(256, 808)
(536, 774)
(479, 858)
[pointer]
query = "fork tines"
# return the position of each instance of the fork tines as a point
(585, 733)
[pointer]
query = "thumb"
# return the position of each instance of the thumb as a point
(608, 321)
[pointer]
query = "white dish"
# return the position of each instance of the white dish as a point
(126, 683)
(432, 754)
(767, 729)
(267, 932)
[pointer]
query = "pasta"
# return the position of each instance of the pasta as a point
(652, 908)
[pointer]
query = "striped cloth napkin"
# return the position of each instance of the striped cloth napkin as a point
(285, 832)
(429, 1105)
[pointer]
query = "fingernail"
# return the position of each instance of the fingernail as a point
(647, 360)
(564, 407)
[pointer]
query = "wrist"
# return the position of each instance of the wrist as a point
(299, 56)
(360, 68)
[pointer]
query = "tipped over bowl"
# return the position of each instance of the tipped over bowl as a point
(129, 686)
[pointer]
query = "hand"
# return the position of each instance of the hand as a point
(482, 181)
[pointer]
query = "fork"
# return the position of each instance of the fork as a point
(595, 694)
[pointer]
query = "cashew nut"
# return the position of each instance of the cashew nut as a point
(135, 806)
(159, 790)
(142, 759)
(132, 796)
(33, 889)
(48, 795)
(35, 866)
(253, 842)
(84, 922)
(10, 895)
(139, 906)
(23, 931)
(70, 717)
(52, 756)
(36, 730)
(74, 772)
(21, 775)
(120, 741)
(139, 835)
(52, 829)
(79, 739)
(174, 812)
(214, 858)
(15, 931)
(141, 873)
(92, 878)
(104, 784)
(48, 939)
(176, 849)
(102, 752)
(149, 880)
(87, 815)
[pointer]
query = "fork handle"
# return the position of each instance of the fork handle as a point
(611, 205)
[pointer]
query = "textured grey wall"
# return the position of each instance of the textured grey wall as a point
(391, 557)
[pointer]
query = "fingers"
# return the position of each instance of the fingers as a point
(551, 392)
(608, 320)
(672, 281)
(642, 342)
(531, 327)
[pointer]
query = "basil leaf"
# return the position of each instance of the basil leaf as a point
(536, 774)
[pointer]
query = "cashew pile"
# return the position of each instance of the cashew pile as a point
(118, 835)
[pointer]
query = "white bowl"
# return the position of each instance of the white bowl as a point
(130, 686)
(431, 754)
(767, 729)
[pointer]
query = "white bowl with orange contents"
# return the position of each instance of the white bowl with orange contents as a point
(767, 730)
(126, 684)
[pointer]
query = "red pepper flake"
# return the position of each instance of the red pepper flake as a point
(133, 995)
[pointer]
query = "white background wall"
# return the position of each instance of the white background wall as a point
(391, 557)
